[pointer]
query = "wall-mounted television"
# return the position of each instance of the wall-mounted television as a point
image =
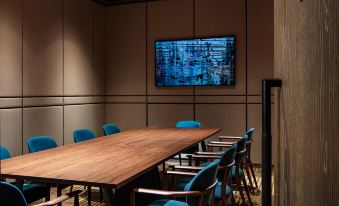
(195, 62)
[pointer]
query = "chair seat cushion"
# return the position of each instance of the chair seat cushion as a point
(234, 175)
(34, 192)
(165, 202)
(228, 191)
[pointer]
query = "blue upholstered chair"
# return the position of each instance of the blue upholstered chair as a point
(83, 135)
(110, 129)
(80, 136)
(199, 191)
(10, 195)
(248, 165)
(40, 143)
(223, 191)
(32, 192)
(190, 124)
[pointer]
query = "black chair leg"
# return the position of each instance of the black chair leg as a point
(59, 193)
(180, 159)
(48, 196)
(101, 193)
(89, 195)
(249, 176)
(253, 174)
(247, 191)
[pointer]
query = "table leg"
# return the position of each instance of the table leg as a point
(109, 197)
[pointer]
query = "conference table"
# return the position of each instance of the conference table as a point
(123, 160)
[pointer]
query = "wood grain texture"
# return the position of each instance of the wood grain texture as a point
(307, 60)
(108, 161)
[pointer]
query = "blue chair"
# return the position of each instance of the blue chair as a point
(199, 191)
(223, 191)
(40, 143)
(110, 129)
(190, 124)
(80, 136)
(31, 192)
(10, 195)
(83, 135)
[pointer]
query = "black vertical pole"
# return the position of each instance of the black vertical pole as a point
(267, 139)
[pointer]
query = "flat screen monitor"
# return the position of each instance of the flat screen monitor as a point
(195, 62)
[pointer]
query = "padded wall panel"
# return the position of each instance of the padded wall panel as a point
(125, 99)
(98, 119)
(218, 18)
(260, 43)
(42, 101)
(170, 99)
(126, 49)
(78, 117)
(11, 48)
(166, 115)
(11, 130)
(10, 102)
(167, 20)
(42, 48)
(99, 50)
(126, 116)
(78, 47)
(39, 121)
(230, 117)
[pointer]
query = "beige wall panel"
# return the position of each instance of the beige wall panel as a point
(11, 48)
(254, 120)
(78, 46)
(42, 121)
(170, 99)
(260, 43)
(126, 49)
(126, 116)
(230, 117)
(167, 115)
(99, 50)
(78, 117)
(42, 47)
(98, 119)
(167, 20)
(10, 102)
(99, 99)
(42, 101)
(78, 100)
(11, 130)
(218, 18)
(127, 99)
(220, 99)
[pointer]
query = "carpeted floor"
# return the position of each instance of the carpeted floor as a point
(256, 197)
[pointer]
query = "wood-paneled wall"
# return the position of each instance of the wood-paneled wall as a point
(307, 60)
(52, 70)
(131, 30)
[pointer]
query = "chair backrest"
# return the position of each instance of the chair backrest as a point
(110, 129)
(83, 135)
(249, 133)
(11, 195)
(39, 143)
(225, 167)
(188, 124)
(203, 180)
(241, 151)
(4, 153)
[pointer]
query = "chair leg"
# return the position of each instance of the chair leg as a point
(253, 174)
(101, 194)
(71, 188)
(249, 176)
(247, 191)
(48, 197)
(59, 193)
(240, 190)
(89, 195)
(232, 199)
(180, 159)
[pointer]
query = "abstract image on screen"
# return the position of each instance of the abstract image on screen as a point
(208, 61)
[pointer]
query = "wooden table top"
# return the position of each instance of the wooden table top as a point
(109, 161)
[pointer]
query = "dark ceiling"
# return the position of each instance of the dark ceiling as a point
(116, 2)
